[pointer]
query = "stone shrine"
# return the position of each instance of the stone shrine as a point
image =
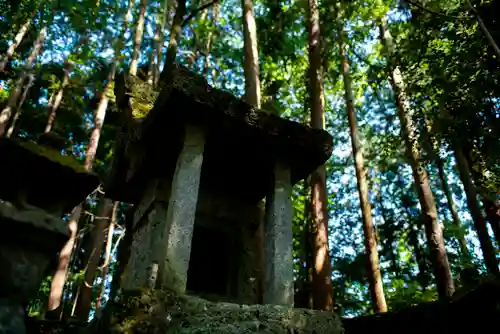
(38, 187)
(197, 163)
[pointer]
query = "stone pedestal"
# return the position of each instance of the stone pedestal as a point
(29, 243)
(278, 257)
(178, 227)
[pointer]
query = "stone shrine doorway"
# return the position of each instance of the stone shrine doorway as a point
(210, 261)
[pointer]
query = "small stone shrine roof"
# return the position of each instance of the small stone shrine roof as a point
(42, 176)
(242, 142)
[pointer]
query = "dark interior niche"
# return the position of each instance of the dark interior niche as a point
(209, 265)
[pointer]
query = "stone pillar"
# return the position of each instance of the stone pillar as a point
(178, 231)
(278, 258)
(141, 255)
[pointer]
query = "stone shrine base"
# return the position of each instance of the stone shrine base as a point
(164, 312)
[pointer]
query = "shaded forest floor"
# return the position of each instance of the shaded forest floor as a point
(478, 311)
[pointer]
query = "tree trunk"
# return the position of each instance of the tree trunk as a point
(58, 282)
(303, 295)
(4, 60)
(86, 288)
(251, 55)
(16, 91)
(322, 271)
(138, 35)
(19, 106)
(161, 39)
(57, 99)
(485, 30)
(156, 46)
(210, 42)
(59, 278)
(492, 210)
(466, 258)
(433, 148)
(373, 267)
(122, 256)
(173, 44)
(420, 256)
(475, 211)
(389, 241)
(434, 234)
(107, 255)
(490, 203)
(252, 96)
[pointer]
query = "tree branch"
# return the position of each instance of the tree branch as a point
(197, 10)
(411, 3)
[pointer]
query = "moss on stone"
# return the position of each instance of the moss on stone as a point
(142, 96)
(53, 155)
(160, 311)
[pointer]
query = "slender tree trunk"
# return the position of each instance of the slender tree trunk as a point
(27, 87)
(4, 60)
(16, 91)
(59, 278)
(303, 293)
(98, 233)
(138, 35)
(308, 236)
(152, 73)
(252, 96)
(57, 99)
(434, 234)
(173, 44)
(453, 210)
(322, 281)
(210, 41)
(373, 266)
(490, 203)
(420, 256)
(251, 65)
(485, 30)
(161, 39)
(475, 211)
(393, 253)
(434, 152)
(492, 210)
(107, 255)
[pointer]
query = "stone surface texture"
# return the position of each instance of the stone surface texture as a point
(178, 227)
(41, 177)
(229, 214)
(28, 246)
(278, 239)
(166, 312)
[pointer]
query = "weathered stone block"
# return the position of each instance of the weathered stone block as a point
(167, 312)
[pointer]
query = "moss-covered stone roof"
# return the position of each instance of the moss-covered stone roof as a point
(241, 140)
(42, 175)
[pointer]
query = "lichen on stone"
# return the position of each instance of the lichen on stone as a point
(160, 311)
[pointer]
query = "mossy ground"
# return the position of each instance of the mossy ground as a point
(160, 311)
